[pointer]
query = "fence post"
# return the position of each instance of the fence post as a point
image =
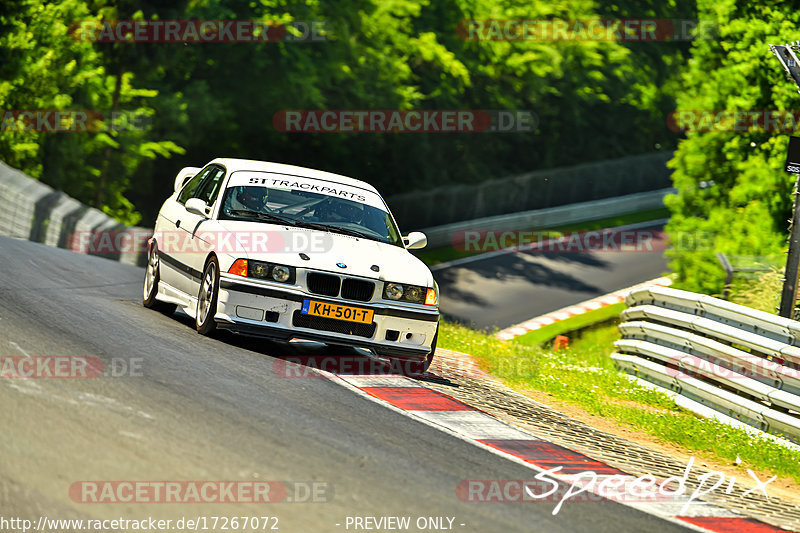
(789, 292)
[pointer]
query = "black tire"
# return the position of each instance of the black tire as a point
(418, 368)
(207, 298)
(152, 275)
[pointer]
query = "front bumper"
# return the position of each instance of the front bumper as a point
(272, 311)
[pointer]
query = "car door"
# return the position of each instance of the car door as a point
(200, 243)
(170, 237)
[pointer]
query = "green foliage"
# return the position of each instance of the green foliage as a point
(572, 325)
(762, 293)
(599, 99)
(45, 68)
(733, 196)
(584, 375)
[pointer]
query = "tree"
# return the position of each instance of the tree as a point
(595, 100)
(48, 66)
(733, 196)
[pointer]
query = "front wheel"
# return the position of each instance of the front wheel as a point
(207, 298)
(152, 275)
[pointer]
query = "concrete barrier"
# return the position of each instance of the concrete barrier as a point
(36, 212)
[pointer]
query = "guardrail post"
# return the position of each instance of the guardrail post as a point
(726, 265)
(789, 293)
(789, 61)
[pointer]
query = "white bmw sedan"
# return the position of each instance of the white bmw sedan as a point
(287, 252)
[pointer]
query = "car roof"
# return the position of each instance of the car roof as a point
(278, 168)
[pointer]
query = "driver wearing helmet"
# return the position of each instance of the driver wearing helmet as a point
(341, 211)
(248, 199)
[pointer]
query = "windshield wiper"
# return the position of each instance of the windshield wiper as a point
(262, 216)
(336, 229)
(353, 233)
(303, 224)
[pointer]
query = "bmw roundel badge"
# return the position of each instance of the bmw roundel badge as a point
(341, 265)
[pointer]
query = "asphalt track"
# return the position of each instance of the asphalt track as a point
(214, 409)
(501, 290)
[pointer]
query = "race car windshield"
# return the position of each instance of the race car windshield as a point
(303, 208)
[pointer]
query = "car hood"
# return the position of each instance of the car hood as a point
(325, 251)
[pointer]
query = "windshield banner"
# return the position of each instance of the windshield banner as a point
(286, 182)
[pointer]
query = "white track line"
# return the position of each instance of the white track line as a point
(575, 310)
(474, 425)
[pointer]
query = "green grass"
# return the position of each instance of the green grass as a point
(619, 220)
(573, 323)
(441, 255)
(763, 293)
(584, 375)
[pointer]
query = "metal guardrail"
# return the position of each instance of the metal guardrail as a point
(448, 234)
(738, 361)
(531, 191)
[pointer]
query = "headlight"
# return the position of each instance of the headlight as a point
(281, 273)
(270, 271)
(414, 294)
(262, 270)
(407, 293)
(258, 270)
(393, 291)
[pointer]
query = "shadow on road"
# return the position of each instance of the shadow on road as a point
(519, 266)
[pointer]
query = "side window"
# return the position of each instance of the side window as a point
(190, 188)
(209, 189)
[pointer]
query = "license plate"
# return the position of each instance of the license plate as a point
(339, 312)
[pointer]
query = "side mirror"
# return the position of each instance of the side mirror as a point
(415, 240)
(185, 175)
(196, 206)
